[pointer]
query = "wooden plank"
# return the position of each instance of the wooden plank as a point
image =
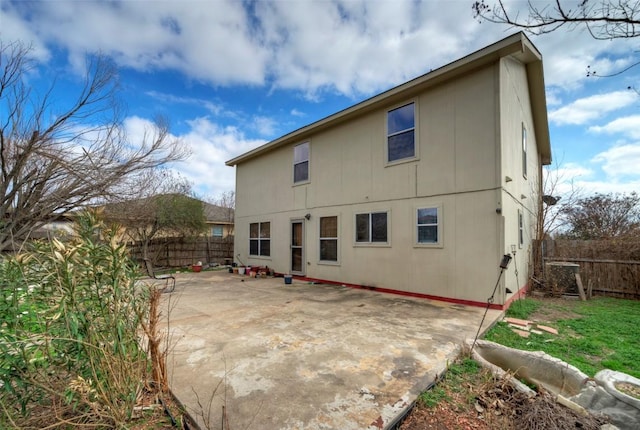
(580, 288)
(591, 260)
(589, 289)
(547, 329)
(518, 321)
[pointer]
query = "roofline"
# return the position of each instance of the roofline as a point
(517, 45)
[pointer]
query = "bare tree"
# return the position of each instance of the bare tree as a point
(555, 200)
(227, 201)
(165, 205)
(554, 203)
(53, 160)
(603, 216)
(604, 19)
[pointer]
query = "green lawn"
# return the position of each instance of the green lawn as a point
(593, 335)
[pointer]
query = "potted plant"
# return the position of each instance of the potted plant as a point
(197, 267)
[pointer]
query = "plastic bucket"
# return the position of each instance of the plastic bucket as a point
(241, 270)
(288, 279)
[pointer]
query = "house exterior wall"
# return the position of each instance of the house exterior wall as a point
(520, 194)
(459, 169)
(225, 228)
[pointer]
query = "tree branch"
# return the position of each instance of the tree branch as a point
(604, 19)
(56, 160)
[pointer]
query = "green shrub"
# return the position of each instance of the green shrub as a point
(70, 319)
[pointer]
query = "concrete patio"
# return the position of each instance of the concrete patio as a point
(306, 356)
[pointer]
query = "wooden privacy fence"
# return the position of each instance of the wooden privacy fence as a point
(180, 252)
(608, 267)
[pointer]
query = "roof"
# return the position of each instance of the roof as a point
(516, 45)
(212, 213)
(218, 214)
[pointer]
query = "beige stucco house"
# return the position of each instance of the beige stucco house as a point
(219, 220)
(419, 190)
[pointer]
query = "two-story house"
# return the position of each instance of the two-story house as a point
(419, 190)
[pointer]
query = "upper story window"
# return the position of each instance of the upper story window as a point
(301, 162)
(401, 133)
(524, 151)
(371, 227)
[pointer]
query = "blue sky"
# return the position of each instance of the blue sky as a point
(231, 75)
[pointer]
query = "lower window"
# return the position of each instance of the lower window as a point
(428, 226)
(260, 239)
(329, 238)
(371, 227)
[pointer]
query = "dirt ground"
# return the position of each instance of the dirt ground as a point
(485, 403)
(555, 309)
(463, 409)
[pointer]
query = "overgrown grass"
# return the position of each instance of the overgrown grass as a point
(605, 335)
(70, 320)
(456, 376)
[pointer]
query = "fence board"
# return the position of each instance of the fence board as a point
(181, 252)
(610, 267)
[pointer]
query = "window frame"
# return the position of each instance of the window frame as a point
(329, 238)
(216, 227)
(260, 240)
(307, 160)
(386, 243)
(439, 226)
(524, 151)
(388, 135)
(520, 229)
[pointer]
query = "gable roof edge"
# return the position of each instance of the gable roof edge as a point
(517, 45)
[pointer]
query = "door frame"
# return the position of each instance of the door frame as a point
(300, 221)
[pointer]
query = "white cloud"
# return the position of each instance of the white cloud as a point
(215, 109)
(593, 107)
(212, 145)
(349, 46)
(620, 160)
(208, 41)
(562, 179)
(569, 55)
(588, 188)
(579, 180)
(265, 126)
(140, 131)
(552, 96)
(15, 28)
(359, 47)
(628, 126)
